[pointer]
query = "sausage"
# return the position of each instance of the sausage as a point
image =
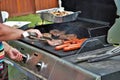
(82, 40)
(61, 46)
(75, 41)
(71, 44)
(72, 47)
(75, 46)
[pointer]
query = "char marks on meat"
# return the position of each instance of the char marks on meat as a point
(56, 32)
(47, 35)
(67, 36)
(54, 42)
(60, 37)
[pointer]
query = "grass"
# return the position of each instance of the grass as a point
(33, 18)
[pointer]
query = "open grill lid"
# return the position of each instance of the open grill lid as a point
(101, 10)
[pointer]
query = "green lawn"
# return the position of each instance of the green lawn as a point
(33, 18)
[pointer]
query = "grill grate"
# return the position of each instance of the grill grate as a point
(82, 29)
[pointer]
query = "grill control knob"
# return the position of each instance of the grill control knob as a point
(25, 58)
(40, 65)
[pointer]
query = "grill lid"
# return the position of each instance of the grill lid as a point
(102, 10)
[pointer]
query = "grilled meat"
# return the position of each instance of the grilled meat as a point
(68, 36)
(47, 35)
(56, 32)
(54, 42)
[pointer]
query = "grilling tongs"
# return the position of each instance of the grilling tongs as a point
(111, 53)
(99, 57)
(33, 36)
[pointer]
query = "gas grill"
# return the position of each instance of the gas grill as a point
(44, 62)
(77, 27)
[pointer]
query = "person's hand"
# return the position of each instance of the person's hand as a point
(14, 54)
(39, 34)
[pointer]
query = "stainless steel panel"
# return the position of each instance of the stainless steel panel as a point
(65, 71)
(36, 57)
(54, 67)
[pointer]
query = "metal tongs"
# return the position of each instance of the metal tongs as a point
(33, 36)
(99, 57)
(111, 53)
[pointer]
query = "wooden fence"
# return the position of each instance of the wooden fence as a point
(22, 7)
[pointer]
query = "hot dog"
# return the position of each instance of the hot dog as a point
(75, 46)
(71, 44)
(72, 47)
(82, 40)
(68, 41)
(61, 46)
(75, 41)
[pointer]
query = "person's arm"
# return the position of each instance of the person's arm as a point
(12, 53)
(8, 33)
